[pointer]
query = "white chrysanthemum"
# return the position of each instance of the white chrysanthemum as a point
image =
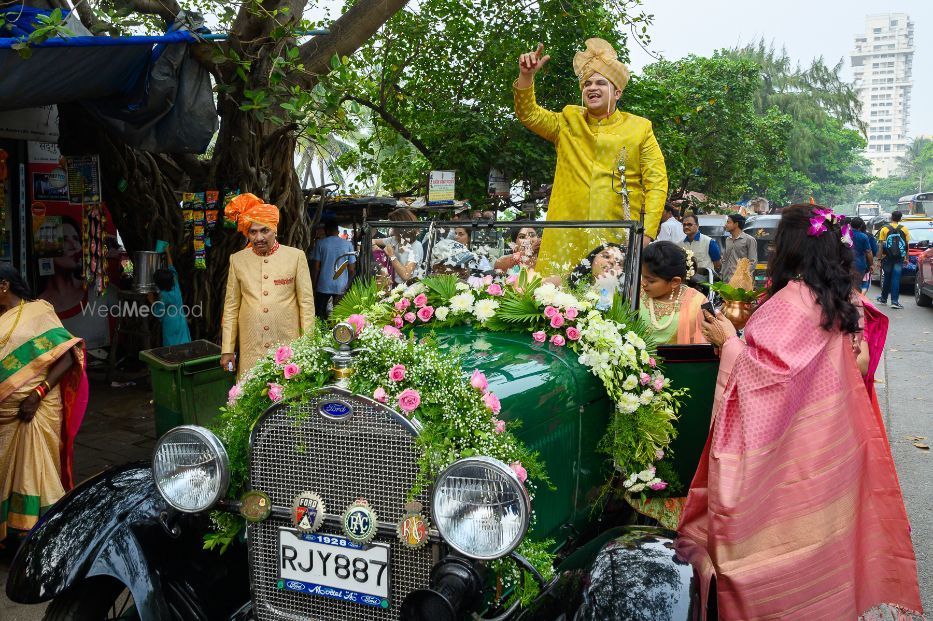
(630, 383)
(636, 488)
(645, 357)
(646, 475)
(629, 352)
(461, 303)
(485, 309)
(546, 293)
(462, 286)
(441, 313)
(628, 403)
(646, 397)
(565, 300)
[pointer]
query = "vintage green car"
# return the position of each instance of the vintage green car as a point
(129, 543)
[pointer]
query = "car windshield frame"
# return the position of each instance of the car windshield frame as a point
(632, 267)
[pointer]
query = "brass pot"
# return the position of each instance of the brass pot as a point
(738, 313)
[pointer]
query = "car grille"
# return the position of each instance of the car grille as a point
(369, 455)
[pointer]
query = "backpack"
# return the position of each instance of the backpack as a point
(895, 246)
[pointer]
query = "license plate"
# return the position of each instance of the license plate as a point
(335, 567)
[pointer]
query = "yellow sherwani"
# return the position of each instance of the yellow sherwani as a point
(587, 177)
(269, 302)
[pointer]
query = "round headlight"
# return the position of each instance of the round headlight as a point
(190, 468)
(480, 508)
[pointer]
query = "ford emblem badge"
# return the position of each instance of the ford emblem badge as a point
(336, 409)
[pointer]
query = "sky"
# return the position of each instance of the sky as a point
(807, 29)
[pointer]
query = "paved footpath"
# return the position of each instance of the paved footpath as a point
(119, 428)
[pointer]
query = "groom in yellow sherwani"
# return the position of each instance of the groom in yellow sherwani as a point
(269, 299)
(593, 142)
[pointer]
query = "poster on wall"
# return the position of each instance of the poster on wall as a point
(83, 179)
(58, 226)
(441, 186)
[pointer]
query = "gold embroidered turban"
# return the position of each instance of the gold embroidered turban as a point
(599, 57)
(247, 209)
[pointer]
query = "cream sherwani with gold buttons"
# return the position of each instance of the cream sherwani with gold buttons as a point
(269, 303)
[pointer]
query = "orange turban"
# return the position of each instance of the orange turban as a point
(248, 209)
(600, 57)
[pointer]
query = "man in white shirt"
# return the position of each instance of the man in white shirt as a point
(671, 230)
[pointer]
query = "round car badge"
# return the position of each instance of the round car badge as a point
(308, 512)
(255, 506)
(359, 522)
(335, 409)
(413, 528)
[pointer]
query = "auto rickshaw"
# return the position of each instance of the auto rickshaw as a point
(763, 228)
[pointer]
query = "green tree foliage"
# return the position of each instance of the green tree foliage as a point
(438, 79)
(916, 173)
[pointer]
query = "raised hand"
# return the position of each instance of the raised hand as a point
(530, 63)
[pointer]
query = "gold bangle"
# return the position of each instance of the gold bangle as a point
(48, 387)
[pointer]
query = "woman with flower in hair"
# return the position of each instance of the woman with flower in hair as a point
(668, 305)
(795, 510)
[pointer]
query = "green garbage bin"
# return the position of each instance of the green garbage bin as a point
(188, 384)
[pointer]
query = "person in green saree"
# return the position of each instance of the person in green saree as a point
(43, 397)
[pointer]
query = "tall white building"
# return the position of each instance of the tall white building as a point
(882, 64)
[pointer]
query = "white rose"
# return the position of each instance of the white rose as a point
(441, 313)
(630, 382)
(461, 303)
(485, 309)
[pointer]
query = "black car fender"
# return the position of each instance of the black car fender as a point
(116, 525)
(626, 574)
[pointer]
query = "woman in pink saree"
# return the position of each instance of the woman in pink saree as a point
(795, 510)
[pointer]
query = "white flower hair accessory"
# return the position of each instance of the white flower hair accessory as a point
(690, 263)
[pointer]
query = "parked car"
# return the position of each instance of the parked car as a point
(923, 288)
(762, 228)
(134, 534)
(713, 225)
(921, 232)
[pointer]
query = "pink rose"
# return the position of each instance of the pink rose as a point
(478, 380)
(492, 402)
(658, 486)
(402, 305)
(234, 394)
(291, 370)
(391, 331)
(276, 391)
(659, 454)
(283, 354)
(645, 379)
(487, 280)
(409, 400)
(494, 289)
(557, 320)
(380, 395)
(539, 336)
(410, 317)
(511, 280)
(550, 311)
(420, 300)
(659, 384)
(398, 322)
(571, 313)
(357, 321)
(652, 363)
(573, 334)
(519, 471)
(397, 373)
(425, 313)
(500, 426)
(558, 340)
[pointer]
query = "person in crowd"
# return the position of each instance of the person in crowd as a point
(668, 305)
(864, 249)
(168, 305)
(671, 229)
(739, 245)
(602, 153)
(331, 282)
(43, 397)
(270, 299)
(894, 239)
(605, 265)
(403, 251)
(795, 510)
(525, 247)
(705, 249)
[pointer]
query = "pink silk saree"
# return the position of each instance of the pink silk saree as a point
(795, 509)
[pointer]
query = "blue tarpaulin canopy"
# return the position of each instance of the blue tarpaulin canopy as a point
(145, 88)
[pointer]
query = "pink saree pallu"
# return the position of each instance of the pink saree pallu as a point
(795, 511)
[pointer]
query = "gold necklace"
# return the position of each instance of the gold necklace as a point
(669, 315)
(9, 335)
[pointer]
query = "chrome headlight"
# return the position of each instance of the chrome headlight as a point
(190, 468)
(480, 508)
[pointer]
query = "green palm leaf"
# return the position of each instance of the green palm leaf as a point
(518, 308)
(362, 295)
(441, 287)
